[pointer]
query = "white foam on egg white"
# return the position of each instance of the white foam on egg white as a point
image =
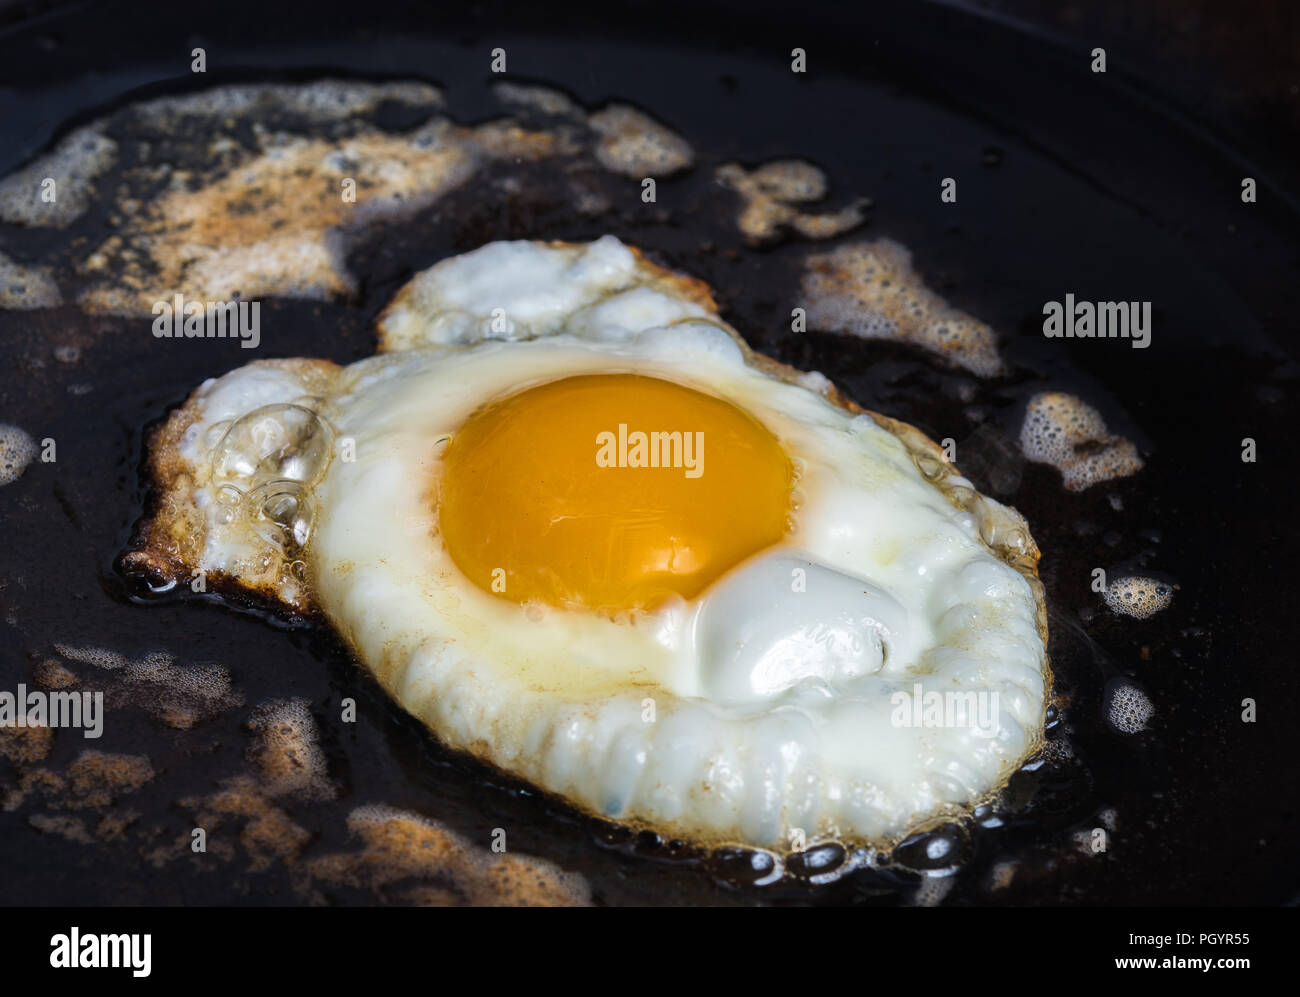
(767, 705)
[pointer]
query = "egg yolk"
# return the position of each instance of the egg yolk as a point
(609, 492)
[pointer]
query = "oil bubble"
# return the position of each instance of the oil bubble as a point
(944, 847)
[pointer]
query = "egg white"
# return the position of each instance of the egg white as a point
(765, 709)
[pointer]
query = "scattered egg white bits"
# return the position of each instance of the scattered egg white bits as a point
(262, 189)
(870, 289)
(17, 450)
(1068, 433)
(634, 144)
(286, 238)
(1138, 597)
(24, 288)
(74, 165)
(778, 696)
(769, 195)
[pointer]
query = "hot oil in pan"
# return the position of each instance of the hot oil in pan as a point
(1098, 772)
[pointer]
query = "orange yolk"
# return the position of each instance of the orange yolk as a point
(609, 492)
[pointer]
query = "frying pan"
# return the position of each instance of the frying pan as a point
(1116, 186)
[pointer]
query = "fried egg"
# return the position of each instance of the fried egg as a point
(570, 522)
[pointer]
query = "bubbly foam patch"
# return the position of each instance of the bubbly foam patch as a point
(180, 697)
(98, 656)
(261, 229)
(103, 782)
(771, 193)
(74, 165)
(23, 288)
(1138, 597)
(290, 177)
(69, 828)
(286, 766)
(25, 745)
(241, 810)
(287, 752)
(1128, 708)
(636, 145)
(97, 778)
(1070, 434)
(405, 857)
(17, 450)
(320, 102)
(93, 780)
(51, 674)
(869, 289)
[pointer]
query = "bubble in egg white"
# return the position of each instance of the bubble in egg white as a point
(267, 459)
(273, 443)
